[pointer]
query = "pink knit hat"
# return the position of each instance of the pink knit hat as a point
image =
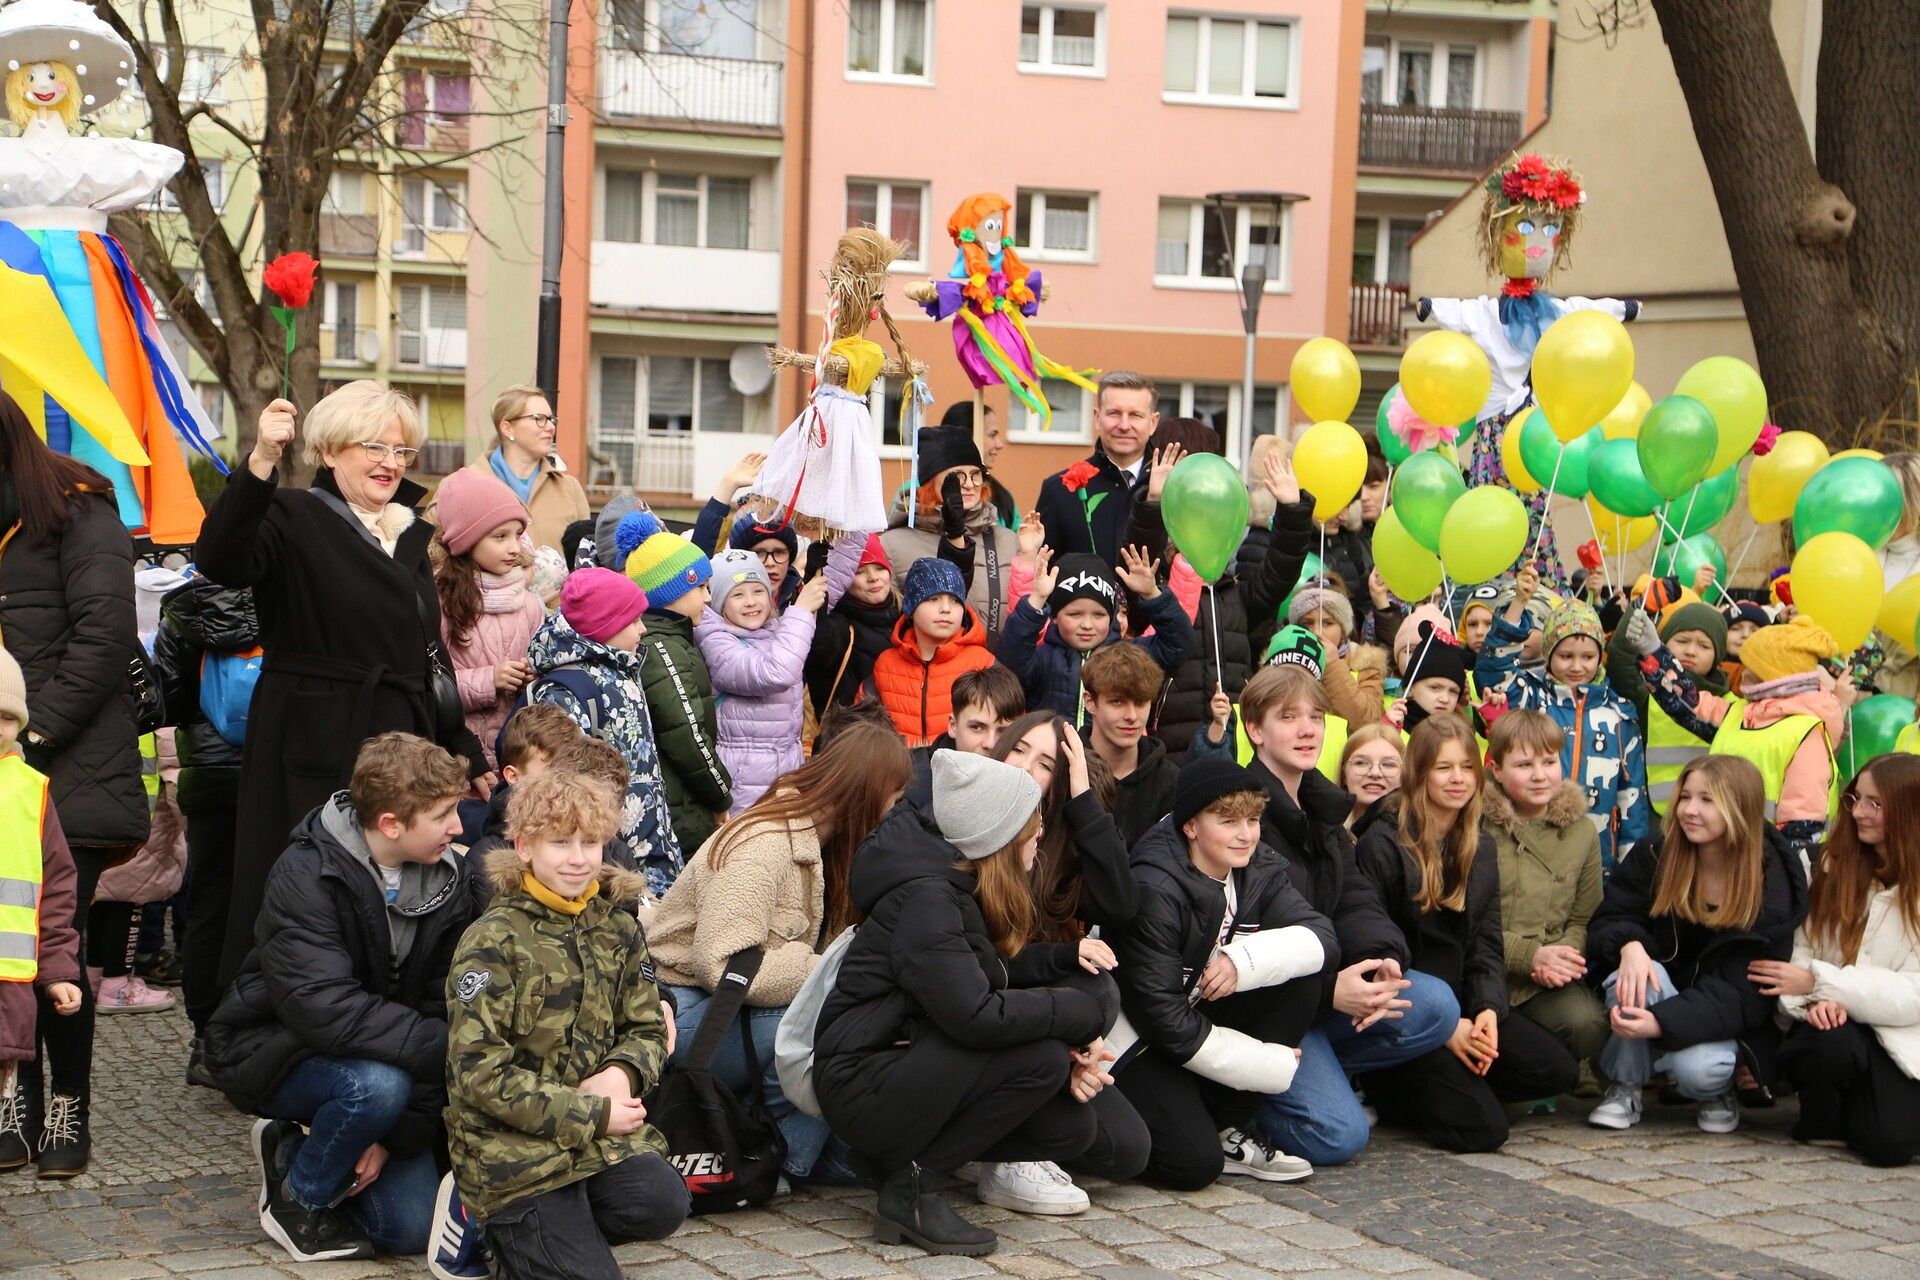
(599, 603)
(472, 504)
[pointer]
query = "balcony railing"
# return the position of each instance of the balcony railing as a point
(431, 348)
(1374, 315)
(694, 89)
(650, 461)
(443, 457)
(1435, 139)
(664, 277)
(356, 344)
(349, 235)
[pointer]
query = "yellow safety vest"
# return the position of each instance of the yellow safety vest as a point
(1772, 749)
(1909, 740)
(1669, 748)
(150, 766)
(1330, 748)
(23, 809)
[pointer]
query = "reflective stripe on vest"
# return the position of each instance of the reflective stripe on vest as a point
(150, 765)
(1669, 748)
(23, 807)
(1771, 750)
(1330, 749)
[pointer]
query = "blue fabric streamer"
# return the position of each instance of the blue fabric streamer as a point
(1525, 319)
(72, 281)
(171, 397)
(917, 396)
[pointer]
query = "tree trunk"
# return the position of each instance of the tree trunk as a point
(1831, 359)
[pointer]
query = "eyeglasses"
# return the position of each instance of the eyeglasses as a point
(1386, 768)
(971, 479)
(546, 420)
(1854, 800)
(772, 556)
(378, 451)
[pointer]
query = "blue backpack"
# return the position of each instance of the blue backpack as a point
(226, 691)
(577, 681)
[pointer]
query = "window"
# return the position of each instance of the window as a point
(1072, 413)
(1395, 235)
(450, 98)
(883, 402)
(1218, 405)
(199, 75)
(1063, 39)
(1419, 74)
(432, 326)
(1193, 243)
(346, 193)
(897, 208)
(440, 99)
(428, 204)
(216, 176)
(340, 339)
(688, 209)
(682, 393)
(626, 197)
(1373, 72)
(1229, 60)
(1415, 76)
(1462, 66)
(1054, 224)
(705, 28)
(890, 39)
(613, 434)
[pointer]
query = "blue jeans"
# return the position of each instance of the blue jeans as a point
(1318, 1118)
(805, 1134)
(348, 1105)
(1699, 1071)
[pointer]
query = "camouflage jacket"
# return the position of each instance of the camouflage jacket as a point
(538, 1001)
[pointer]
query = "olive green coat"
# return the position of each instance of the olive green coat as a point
(1549, 879)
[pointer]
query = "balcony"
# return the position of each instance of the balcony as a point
(1453, 140)
(666, 277)
(422, 132)
(349, 235)
(689, 89)
(442, 457)
(430, 348)
(353, 344)
(1374, 315)
(655, 462)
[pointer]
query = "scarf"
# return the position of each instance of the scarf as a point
(502, 592)
(1784, 687)
(548, 898)
(1526, 317)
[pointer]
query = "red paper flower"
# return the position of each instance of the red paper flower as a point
(1589, 554)
(291, 277)
(1075, 477)
(1763, 446)
(1520, 287)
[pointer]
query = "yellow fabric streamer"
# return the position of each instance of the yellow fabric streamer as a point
(40, 356)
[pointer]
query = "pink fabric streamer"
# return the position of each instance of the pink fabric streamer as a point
(1414, 431)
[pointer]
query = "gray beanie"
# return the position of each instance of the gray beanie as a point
(981, 804)
(605, 552)
(1319, 597)
(735, 568)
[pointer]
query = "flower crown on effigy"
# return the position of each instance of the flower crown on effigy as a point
(1532, 187)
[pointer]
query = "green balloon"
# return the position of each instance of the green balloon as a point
(1424, 488)
(1614, 477)
(1576, 461)
(1683, 559)
(1860, 496)
(1677, 440)
(1409, 569)
(1872, 727)
(1539, 447)
(1701, 507)
(1204, 505)
(1310, 568)
(1390, 447)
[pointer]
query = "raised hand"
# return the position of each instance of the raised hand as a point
(1219, 715)
(271, 438)
(1377, 590)
(1079, 781)
(742, 473)
(1278, 476)
(1032, 533)
(1140, 572)
(1164, 461)
(1045, 579)
(812, 594)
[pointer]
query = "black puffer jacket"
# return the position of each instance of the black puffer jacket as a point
(1715, 1000)
(1172, 936)
(1319, 854)
(868, 628)
(320, 979)
(67, 617)
(1350, 554)
(1481, 981)
(1144, 796)
(196, 619)
(922, 961)
(1245, 594)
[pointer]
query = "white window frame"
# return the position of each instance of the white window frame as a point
(1441, 52)
(1198, 212)
(1034, 250)
(428, 314)
(654, 40)
(650, 198)
(1383, 241)
(350, 179)
(1280, 395)
(1046, 66)
(883, 215)
(1203, 54)
(215, 168)
(434, 80)
(447, 205)
(886, 50)
(1068, 428)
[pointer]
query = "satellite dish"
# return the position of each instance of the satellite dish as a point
(748, 370)
(367, 346)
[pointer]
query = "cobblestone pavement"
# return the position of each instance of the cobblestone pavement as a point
(171, 1193)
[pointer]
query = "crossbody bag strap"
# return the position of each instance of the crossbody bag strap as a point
(729, 995)
(834, 688)
(993, 580)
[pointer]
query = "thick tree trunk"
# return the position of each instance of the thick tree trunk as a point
(1832, 359)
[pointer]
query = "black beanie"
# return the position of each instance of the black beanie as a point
(1438, 657)
(1204, 779)
(958, 414)
(1084, 577)
(942, 448)
(748, 534)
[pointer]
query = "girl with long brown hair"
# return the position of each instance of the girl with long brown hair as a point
(1439, 878)
(775, 877)
(1682, 920)
(947, 1037)
(1853, 984)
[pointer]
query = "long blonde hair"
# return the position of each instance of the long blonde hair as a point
(20, 109)
(1444, 866)
(1737, 791)
(1005, 892)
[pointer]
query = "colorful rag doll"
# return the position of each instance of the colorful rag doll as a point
(823, 473)
(990, 294)
(1529, 210)
(97, 323)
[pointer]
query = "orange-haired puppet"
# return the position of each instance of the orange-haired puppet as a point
(990, 294)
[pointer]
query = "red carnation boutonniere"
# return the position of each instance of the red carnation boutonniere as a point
(1075, 479)
(289, 277)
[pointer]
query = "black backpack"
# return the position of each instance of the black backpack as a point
(730, 1153)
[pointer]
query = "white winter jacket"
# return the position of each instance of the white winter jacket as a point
(1881, 988)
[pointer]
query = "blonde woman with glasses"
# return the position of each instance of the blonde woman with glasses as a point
(526, 458)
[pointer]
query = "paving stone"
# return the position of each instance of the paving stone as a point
(751, 1264)
(949, 1268)
(1868, 1265)
(846, 1265)
(1667, 1215)
(1032, 1266)
(1172, 1254)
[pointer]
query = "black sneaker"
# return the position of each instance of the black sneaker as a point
(65, 1145)
(199, 1074)
(162, 968)
(308, 1235)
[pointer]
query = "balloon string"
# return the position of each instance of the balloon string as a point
(1740, 560)
(1321, 577)
(1219, 670)
(1546, 507)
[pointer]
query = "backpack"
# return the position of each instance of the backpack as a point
(728, 1152)
(793, 1042)
(577, 681)
(226, 691)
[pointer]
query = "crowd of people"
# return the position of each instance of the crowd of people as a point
(995, 847)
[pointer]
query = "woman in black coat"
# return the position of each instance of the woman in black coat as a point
(1439, 879)
(67, 617)
(347, 612)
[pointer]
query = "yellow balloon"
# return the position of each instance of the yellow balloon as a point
(1837, 582)
(1900, 612)
(1330, 461)
(1325, 380)
(1623, 420)
(1618, 535)
(1582, 368)
(1445, 377)
(1875, 454)
(1517, 474)
(1774, 482)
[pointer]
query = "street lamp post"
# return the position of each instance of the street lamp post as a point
(547, 343)
(1255, 270)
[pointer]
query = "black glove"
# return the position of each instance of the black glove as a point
(953, 511)
(816, 559)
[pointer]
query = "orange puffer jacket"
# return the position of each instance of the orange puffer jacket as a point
(919, 695)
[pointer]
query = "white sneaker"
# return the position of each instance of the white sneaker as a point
(1030, 1187)
(1620, 1109)
(1254, 1157)
(970, 1172)
(1719, 1115)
